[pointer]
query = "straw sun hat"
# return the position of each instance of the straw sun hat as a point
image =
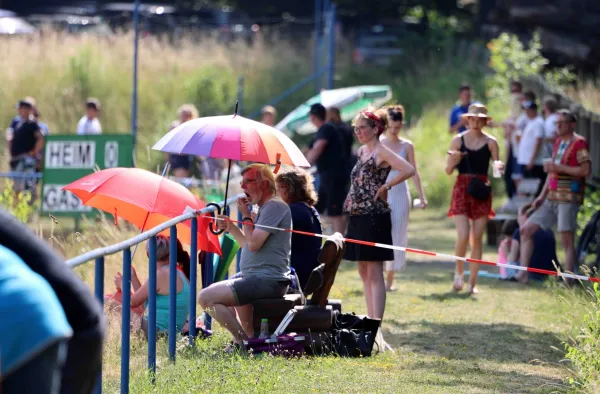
(477, 111)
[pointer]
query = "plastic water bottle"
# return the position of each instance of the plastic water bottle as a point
(264, 329)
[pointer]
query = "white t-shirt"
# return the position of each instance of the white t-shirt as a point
(86, 126)
(520, 124)
(533, 131)
(550, 131)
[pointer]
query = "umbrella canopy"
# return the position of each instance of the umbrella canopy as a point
(232, 137)
(350, 101)
(144, 199)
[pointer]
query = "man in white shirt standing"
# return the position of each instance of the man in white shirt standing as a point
(90, 124)
(550, 117)
(531, 145)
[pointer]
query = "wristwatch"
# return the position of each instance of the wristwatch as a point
(387, 187)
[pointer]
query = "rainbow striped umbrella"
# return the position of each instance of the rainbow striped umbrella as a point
(232, 137)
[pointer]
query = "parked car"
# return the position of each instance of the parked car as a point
(11, 24)
(154, 18)
(229, 23)
(381, 44)
(71, 23)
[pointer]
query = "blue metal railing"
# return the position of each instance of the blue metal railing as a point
(125, 247)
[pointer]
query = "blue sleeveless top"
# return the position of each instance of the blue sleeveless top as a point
(182, 303)
(32, 317)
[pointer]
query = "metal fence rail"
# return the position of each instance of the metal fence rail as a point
(125, 247)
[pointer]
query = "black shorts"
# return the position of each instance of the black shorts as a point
(332, 193)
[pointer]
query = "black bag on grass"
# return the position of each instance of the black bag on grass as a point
(352, 335)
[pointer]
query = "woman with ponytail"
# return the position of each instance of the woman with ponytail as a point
(368, 209)
(399, 197)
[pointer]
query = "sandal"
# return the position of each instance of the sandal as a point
(459, 282)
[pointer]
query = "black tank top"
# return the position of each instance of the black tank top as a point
(475, 162)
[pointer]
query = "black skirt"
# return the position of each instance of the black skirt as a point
(371, 228)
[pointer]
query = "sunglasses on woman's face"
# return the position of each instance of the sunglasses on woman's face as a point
(360, 129)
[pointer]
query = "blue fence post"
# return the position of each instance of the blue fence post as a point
(331, 47)
(208, 280)
(152, 308)
(99, 292)
(193, 280)
(172, 291)
(125, 322)
(317, 33)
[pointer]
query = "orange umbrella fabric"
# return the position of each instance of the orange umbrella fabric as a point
(144, 199)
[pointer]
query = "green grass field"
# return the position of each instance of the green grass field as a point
(507, 339)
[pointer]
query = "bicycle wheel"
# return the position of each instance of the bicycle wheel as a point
(589, 241)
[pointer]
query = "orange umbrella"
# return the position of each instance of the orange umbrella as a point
(144, 199)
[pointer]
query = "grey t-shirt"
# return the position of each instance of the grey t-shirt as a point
(272, 260)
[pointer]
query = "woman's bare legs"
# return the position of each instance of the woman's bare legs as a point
(462, 240)
(364, 275)
(390, 280)
(378, 296)
(476, 239)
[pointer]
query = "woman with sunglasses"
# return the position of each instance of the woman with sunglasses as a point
(399, 197)
(368, 209)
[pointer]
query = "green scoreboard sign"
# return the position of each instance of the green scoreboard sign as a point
(71, 157)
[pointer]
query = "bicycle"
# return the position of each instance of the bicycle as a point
(588, 244)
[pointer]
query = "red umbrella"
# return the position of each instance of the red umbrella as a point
(144, 199)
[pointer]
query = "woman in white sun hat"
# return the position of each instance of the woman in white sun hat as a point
(470, 152)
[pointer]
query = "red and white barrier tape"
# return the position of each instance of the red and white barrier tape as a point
(424, 252)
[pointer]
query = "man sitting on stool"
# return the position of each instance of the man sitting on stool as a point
(265, 258)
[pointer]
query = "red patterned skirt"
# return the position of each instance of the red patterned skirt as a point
(463, 204)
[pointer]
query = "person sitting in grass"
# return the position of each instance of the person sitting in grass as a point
(544, 248)
(139, 297)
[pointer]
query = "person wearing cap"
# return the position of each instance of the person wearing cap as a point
(562, 194)
(25, 145)
(470, 153)
(532, 150)
(89, 124)
(269, 115)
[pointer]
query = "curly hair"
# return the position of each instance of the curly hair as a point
(299, 184)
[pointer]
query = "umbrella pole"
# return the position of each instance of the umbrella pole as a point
(226, 187)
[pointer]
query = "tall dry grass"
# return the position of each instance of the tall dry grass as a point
(60, 71)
